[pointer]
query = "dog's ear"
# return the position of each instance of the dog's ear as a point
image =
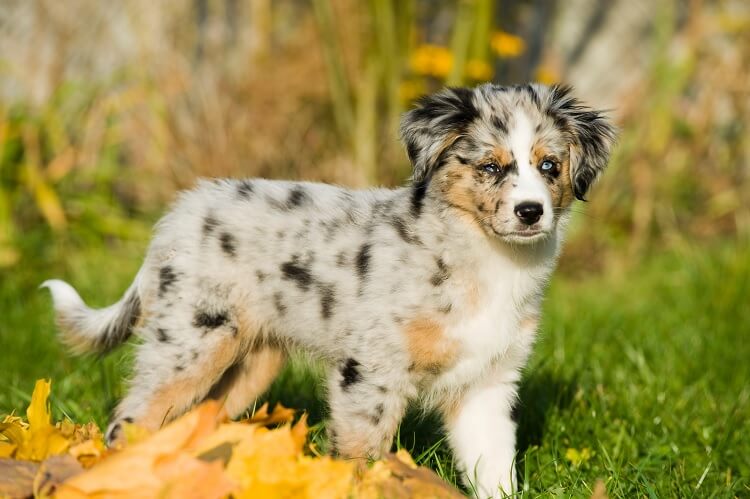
(433, 126)
(593, 136)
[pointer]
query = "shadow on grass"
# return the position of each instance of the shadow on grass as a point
(538, 395)
(299, 386)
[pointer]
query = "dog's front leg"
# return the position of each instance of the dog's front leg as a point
(483, 437)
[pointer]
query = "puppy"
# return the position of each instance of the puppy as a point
(429, 292)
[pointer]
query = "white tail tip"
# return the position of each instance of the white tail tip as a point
(63, 294)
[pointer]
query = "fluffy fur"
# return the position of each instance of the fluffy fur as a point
(429, 292)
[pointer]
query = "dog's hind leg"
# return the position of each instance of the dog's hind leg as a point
(249, 380)
(171, 376)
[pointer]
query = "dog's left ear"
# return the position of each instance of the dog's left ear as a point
(593, 136)
(433, 126)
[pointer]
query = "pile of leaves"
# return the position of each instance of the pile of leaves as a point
(201, 455)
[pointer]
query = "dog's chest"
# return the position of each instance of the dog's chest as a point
(488, 324)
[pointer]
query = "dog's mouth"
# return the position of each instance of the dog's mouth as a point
(523, 236)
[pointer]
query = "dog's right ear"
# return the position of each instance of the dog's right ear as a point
(434, 125)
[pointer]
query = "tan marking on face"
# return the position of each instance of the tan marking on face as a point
(561, 190)
(538, 153)
(456, 184)
(429, 349)
(502, 156)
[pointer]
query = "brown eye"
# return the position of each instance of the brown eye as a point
(491, 168)
(548, 167)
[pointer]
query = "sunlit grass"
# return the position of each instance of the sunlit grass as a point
(639, 379)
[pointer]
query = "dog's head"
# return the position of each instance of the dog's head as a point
(513, 158)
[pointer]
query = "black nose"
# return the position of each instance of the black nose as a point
(529, 212)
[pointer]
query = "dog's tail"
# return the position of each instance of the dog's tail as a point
(84, 329)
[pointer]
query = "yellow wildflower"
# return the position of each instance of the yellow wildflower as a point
(546, 75)
(431, 60)
(506, 45)
(478, 70)
(577, 457)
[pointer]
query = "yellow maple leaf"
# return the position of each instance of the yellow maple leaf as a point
(271, 464)
(38, 439)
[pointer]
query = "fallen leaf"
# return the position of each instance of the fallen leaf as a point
(17, 478)
(280, 414)
(149, 468)
(199, 455)
(37, 439)
(52, 472)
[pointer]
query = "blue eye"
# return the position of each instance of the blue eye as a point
(491, 168)
(548, 166)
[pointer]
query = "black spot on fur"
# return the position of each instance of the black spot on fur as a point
(293, 271)
(341, 259)
(532, 94)
(446, 309)
(418, 193)
(167, 278)
(228, 244)
(245, 189)
(210, 320)
(441, 274)
(499, 124)
(194, 354)
(404, 231)
(436, 118)
(297, 197)
(350, 374)
(260, 275)
(120, 328)
(278, 303)
(462, 160)
(363, 260)
(592, 133)
(377, 415)
(327, 300)
(179, 367)
(209, 224)
(161, 335)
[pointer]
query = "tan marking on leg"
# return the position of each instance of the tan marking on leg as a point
(259, 369)
(179, 393)
(429, 348)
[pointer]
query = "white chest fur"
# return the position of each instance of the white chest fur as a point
(506, 292)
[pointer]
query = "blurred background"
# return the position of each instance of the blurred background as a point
(108, 108)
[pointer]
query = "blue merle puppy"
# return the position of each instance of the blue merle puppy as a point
(428, 292)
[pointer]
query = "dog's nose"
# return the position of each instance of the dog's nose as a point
(529, 212)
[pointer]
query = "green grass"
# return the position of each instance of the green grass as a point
(649, 369)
